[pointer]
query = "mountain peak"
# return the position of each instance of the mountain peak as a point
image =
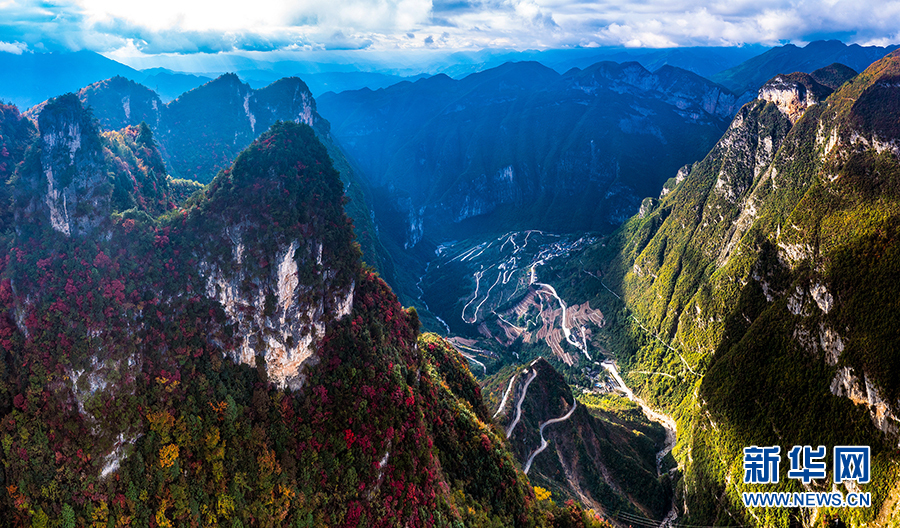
(68, 184)
(794, 93)
(289, 151)
(118, 102)
(293, 82)
(221, 84)
(228, 78)
(834, 75)
(71, 154)
(613, 69)
(63, 110)
(281, 203)
(74, 177)
(514, 74)
(821, 45)
(289, 96)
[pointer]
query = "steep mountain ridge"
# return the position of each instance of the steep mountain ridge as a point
(685, 90)
(763, 281)
(225, 115)
(118, 102)
(62, 181)
(601, 452)
(229, 362)
(201, 132)
(66, 185)
(298, 223)
(794, 93)
(70, 158)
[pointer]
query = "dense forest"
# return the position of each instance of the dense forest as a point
(125, 398)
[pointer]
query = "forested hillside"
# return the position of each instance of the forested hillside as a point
(762, 284)
(226, 362)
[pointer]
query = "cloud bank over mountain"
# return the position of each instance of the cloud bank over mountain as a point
(203, 26)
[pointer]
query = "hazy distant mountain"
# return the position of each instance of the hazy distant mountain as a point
(523, 146)
(168, 84)
(30, 78)
(702, 61)
(39, 76)
(320, 83)
(752, 74)
(35, 77)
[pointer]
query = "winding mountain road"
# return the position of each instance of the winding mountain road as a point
(471, 358)
(515, 422)
(566, 332)
(505, 395)
(544, 442)
(478, 275)
(486, 296)
(550, 289)
(666, 421)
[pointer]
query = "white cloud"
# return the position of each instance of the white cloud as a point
(16, 48)
(260, 15)
(210, 25)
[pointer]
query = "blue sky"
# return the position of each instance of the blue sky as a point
(127, 28)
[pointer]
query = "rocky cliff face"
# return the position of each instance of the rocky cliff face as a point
(69, 182)
(484, 194)
(793, 94)
(280, 290)
(77, 176)
(267, 294)
(277, 318)
(285, 99)
(68, 186)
